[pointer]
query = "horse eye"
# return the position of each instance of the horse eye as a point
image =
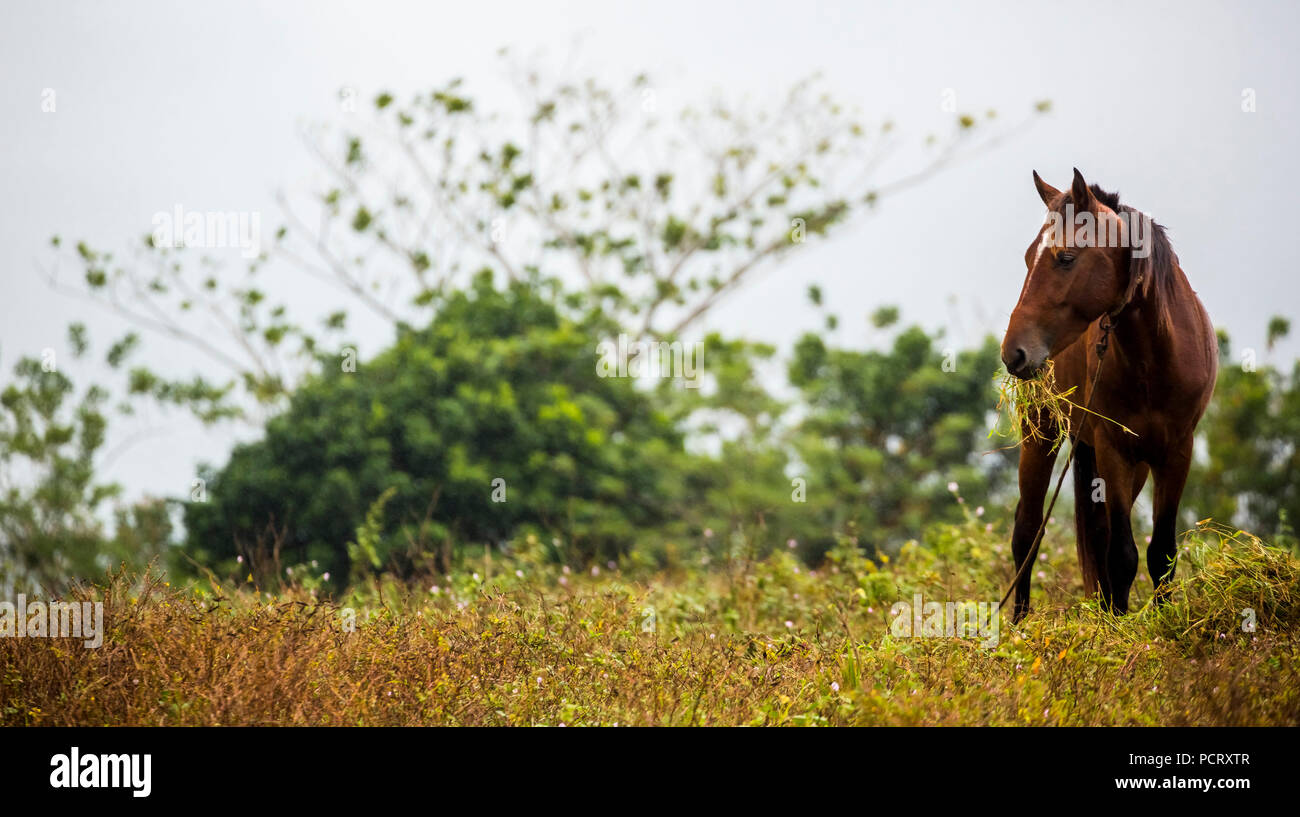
(1065, 259)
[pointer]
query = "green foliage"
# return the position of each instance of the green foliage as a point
(861, 458)
(503, 386)
(499, 386)
(364, 552)
(1249, 474)
(888, 431)
(884, 317)
(51, 528)
(1278, 328)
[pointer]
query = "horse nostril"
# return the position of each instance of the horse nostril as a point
(1015, 360)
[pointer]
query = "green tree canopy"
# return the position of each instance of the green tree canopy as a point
(500, 386)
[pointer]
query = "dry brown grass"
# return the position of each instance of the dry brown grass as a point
(769, 645)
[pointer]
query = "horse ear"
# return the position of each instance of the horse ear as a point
(1080, 194)
(1046, 192)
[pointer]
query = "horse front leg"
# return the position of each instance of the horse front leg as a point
(1036, 461)
(1162, 553)
(1118, 563)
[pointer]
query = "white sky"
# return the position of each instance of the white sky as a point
(161, 102)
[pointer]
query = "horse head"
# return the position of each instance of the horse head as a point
(1085, 262)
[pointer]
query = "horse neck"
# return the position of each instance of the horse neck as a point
(1137, 335)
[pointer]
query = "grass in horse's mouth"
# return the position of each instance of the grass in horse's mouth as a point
(1037, 409)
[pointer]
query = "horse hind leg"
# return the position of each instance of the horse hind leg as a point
(1089, 517)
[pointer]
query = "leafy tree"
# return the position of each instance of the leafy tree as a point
(638, 222)
(1249, 468)
(861, 457)
(888, 431)
(51, 529)
(491, 421)
(654, 216)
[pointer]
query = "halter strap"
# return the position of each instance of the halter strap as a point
(1135, 281)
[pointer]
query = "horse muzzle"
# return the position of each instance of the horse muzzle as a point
(1024, 359)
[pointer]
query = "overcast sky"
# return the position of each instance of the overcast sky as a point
(160, 103)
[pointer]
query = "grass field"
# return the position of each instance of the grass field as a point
(768, 642)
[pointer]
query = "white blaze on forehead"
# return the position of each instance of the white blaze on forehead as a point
(1044, 240)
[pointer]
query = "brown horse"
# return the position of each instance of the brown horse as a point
(1094, 261)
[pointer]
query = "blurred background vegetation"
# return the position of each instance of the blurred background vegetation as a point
(500, 251)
